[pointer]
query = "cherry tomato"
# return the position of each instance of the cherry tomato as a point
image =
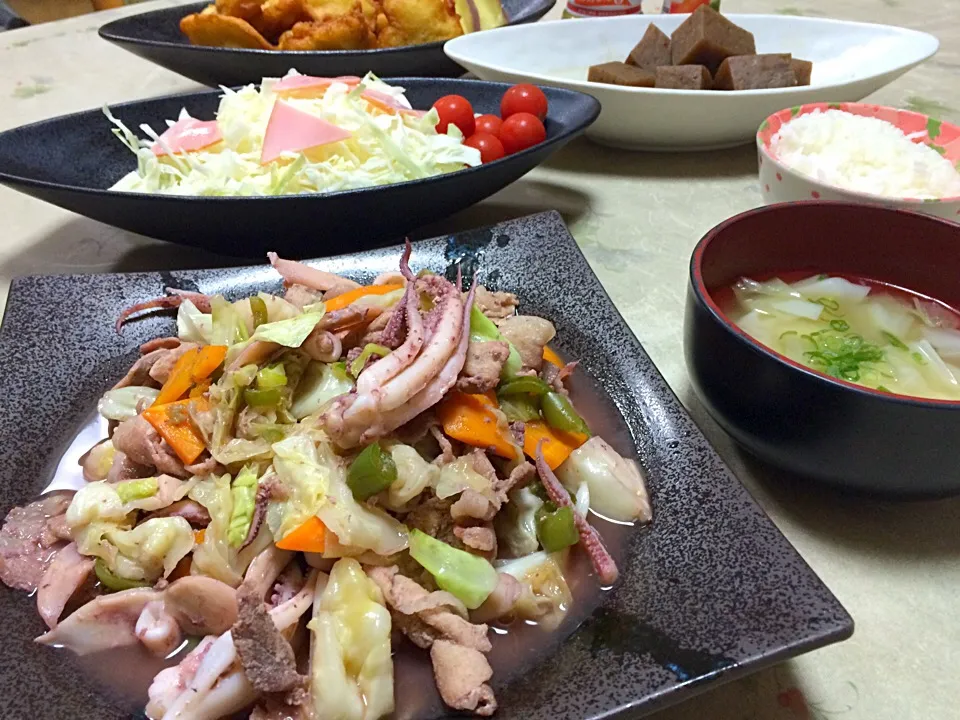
(489, 124)
(489, 146)
(455, 110)
(521, 131)
(524, 99)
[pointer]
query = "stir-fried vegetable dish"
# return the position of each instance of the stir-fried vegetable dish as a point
(293, 484)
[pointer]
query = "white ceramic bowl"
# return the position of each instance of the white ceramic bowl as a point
(779, 183)
(851, 60)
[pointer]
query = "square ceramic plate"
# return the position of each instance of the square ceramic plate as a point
(850, 61)
(709, 591)
(155, 36)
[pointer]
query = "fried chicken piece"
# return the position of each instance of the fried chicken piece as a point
(350, 32)
(248, 10)
(414, 22)
(215, 30)
(329, 9)
(279, 16)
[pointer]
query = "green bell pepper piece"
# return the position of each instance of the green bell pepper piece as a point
(372, 471)
(556, 528)
(111, 580)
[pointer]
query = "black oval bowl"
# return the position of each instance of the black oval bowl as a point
(156, 36)
(71, 161)
(791, 416)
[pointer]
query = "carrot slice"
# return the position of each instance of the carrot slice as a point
(471, 420)
(172, 422)
(200, 389)
(551, 357)
(310, 536)
(210, 358)
(557, 445)
(180, 379)
(341, 301)
(199, 535)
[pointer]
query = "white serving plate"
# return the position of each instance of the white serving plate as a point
(851, 60)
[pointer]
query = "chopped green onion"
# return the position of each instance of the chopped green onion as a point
(270, 398)
(523, 386)
(371, 472)
(556, 528)
(111, 580)
(560, 414)
(468, 577)
(894, 340)
(840, 325)
(243, 491)
(356, 367)
(840, 356)
(259, 309)
(788, 332)
(272, 376)
(828, 303)
(130, 490)
(884, 389)
(918, 358)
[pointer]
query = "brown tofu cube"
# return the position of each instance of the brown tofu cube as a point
(652, 51)
(684, 77)
(708, 38)
(802, 69)
(618, 73)
(755, 72)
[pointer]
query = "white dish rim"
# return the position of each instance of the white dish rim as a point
(450, 48)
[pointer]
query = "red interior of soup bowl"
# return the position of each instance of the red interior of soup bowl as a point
(915, 252)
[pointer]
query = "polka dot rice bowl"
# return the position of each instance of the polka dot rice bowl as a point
(781, 183)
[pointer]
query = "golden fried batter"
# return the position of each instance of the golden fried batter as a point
(211, 28)
(349, 32)
(248, 10)
(414, 22)
(278, 16)
(322, 24)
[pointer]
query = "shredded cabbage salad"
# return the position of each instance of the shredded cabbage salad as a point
(384, 147)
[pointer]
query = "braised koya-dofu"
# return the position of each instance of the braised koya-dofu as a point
(866, 333)
(706, 52)
(337, 24)
(290, 479)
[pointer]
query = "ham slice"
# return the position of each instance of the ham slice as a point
(292, 130)
(306, 86)
(388, 103)
(188, 135)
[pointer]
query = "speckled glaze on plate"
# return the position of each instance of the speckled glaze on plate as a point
(155, 36)
(709, 592)
(72, 160)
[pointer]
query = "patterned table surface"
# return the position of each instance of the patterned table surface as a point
(636, 217)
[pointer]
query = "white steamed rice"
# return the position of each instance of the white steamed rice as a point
(864, 154)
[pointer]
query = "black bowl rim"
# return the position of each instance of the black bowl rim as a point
(108, 33)
(590, 103)
(706, 299)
